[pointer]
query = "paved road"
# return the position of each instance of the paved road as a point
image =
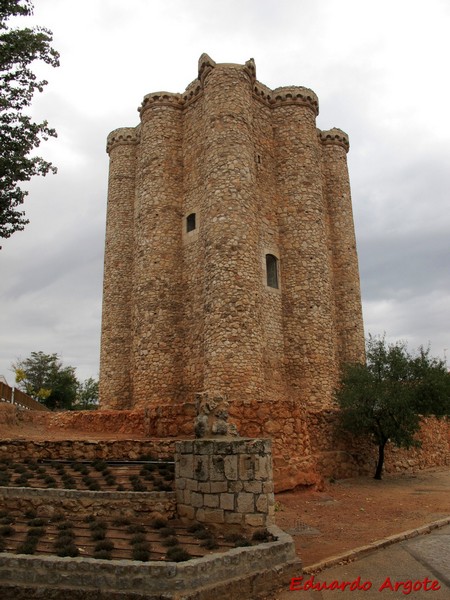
(421, 563)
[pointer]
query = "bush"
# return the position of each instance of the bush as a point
(209, 543)
(104, 545)
(262, 535)
(102, 554)
(67, 550)
(37, 522)
(6, 530)
(170, 541)
(159, 523)
(140, 553)
(177, 554)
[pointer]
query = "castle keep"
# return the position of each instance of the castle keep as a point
(230, 262)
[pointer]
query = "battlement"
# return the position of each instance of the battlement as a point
(335, 136)
(123, 135)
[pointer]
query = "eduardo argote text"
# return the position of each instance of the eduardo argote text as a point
(405, 587)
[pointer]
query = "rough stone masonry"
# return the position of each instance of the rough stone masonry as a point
(230, 261)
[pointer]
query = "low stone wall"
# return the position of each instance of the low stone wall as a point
(340, 455)
(87, 450)
(251, 572)
(305, 447)
(225, 481)
(168, 420)
(48, 502)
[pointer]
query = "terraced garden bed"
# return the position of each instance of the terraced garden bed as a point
(145, 475)
(120, 538)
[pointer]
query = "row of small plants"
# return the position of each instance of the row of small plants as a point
(64, 540)
(95, 476)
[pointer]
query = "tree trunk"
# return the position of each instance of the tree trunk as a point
(380, 463)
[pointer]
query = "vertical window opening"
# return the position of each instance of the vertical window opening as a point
(272, 270)
(190, 222)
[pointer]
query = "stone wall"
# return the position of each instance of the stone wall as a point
(340, 455)
(49, 502)
(225, 481)
(239, 573)
(86, 450)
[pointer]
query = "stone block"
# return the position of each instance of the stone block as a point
(234, 518)
(204, 487)
(218, 486)
(235, 486)
(196, 499)
(185, 466)
(185, 511)
(246, 467)
(211, 500)
(245, 503)
(263, 468)
(227, 501)
(267, 487)
(230, 464)
(210, 515)
(262, 504)
(183, 447)
(217, 468)
(203, 447)
(254, 487)
(255, 520)
(201, 468)
(192, 484)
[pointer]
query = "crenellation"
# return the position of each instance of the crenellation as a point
(335, 136)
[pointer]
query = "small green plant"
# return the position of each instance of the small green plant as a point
(6, 520)
(90, 519)
(6, 530)
(209, 543)
(170, 541)
(37, 522)
(64, 525)
(177, 554)
(262, 535)
(159, 523)
(237, 539)
(28, 546)
(141, 552)
(100, 465)
(102, 554)
(36, 532)
(165, 532)
(107, 545)
(136, 528)
(195, 527)
(69, 550)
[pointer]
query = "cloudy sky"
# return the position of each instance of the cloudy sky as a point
(380, 69)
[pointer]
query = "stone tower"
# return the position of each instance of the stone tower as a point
(230, 262)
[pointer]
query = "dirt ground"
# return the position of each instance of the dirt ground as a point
(354, 512)
(345, 515)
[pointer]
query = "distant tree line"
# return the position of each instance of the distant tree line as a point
(45, 378)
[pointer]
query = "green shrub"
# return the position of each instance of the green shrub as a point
(177, 554)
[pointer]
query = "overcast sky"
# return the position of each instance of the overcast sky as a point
(381, 71)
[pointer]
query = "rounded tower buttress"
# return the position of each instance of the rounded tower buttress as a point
(115, 354)
(347, 295)
(306, 269)
(157, 302)
(230, 233)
